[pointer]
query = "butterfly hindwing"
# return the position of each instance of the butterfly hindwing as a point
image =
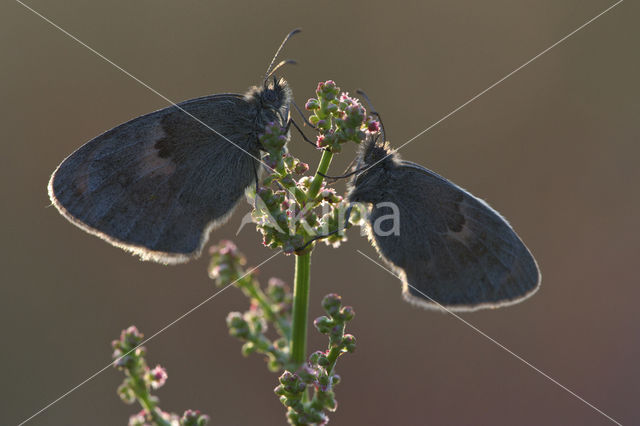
(157, 184)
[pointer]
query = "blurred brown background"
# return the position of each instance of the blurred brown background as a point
(554, 148)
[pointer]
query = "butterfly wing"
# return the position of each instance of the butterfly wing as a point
(452, 249)
(159, 183)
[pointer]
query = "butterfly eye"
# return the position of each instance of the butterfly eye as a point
(270, 95)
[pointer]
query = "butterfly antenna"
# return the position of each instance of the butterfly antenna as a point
(285, 62)
(270, 69)
(373, 111)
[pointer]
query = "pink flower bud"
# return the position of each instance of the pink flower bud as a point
(158, 377)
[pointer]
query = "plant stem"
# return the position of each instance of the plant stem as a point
(323, 167)
(334, 353)
(302, 278)
(142, 393)
(300, 307)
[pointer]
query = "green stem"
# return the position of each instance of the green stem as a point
(300, 307)
(144, 398)
(334, 353)
(323, 167)
(301, 284)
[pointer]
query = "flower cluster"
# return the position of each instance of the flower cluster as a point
(227, 263)
(339, 118)
(128, 356)
(282, 164)
(286, 206)
(318, 373)
(269, 306)
(276, 205)
(273, 307)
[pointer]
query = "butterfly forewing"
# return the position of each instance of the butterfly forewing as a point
(157, 184)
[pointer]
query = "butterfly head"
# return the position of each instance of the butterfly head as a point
(276, 96)
(271, 100)
(376, 160)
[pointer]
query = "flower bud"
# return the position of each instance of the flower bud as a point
(323, 361)
(126, 394)
(280, 390)
(307, 374)
(312, 104)
(227, 247)
(288, 378)
(273, 365)
(373, 126)
(122, 361)
(331, 403)
(331, 303)
(238, 326)
(301, 168)
(156, 377)
(323, 324)
(347, 313)
(248, 348)
(314, 357)
(276, 289)
(194, 418)
(324, 381)
(335, 379)
(139, 419)
(131, 337)
(349, 342)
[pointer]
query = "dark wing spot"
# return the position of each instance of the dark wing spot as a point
(165, 148)
(455, 219)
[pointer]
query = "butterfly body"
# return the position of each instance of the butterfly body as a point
(451, 249)
(159, 183)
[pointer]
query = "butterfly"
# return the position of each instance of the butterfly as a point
(158, 184)
(450, 248)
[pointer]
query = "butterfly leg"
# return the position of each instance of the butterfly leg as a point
(290, 122)
(346, 175)
(255, 175)
(302, 116)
